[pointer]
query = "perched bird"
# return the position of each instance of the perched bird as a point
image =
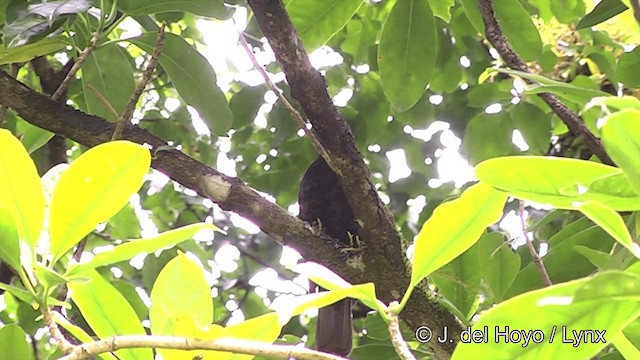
(324, 204)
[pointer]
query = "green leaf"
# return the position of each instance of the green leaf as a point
(108, 312)
(615, 103)
(579, 95)
(627, 69)
(551, 316)
(28, 30)
(407, 52)
(51, 10)
(93, 189)
(517, 26)
(33, 137)
(28, 52)
(597, 258)
(20, 188)
(193, 78)
(499, 263)
(9, 241)
(207, 8)
(192, 304)
(610, 285)
(13, 343)
(132, 248)
(48, 277)
(559, 182)
(453, 228)
(605, 10)
(472, 10)
(442, 8)
(621, 138)
(611, 222)
(79, 334)
(318, 21)
(496, 127)
(109, 72)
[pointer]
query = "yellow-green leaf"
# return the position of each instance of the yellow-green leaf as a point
(20, 188)
(453, 228)
(108, 312)
(611, 222)
(621, 138)
(94, 188)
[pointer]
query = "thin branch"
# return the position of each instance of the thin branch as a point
(537, 260)
(63, 344)
(292, 110)
(237, 346)
(146, 76)
(76, 66)
(513, 60)
(635, 4)
(399, 344)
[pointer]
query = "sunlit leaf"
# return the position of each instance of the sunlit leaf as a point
(108, 312)
(94, 188)
(454, 227)
(28, 52)
(9, 241)
(20, 188)
(611, 222)
(559, 181)
(550, 318)
(621, 138)
(407, 52)
(132, 248)
(79, 333)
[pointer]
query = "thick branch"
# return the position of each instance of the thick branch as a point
(513, 60)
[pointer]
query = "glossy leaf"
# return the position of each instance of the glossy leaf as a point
(559, 182)
(93, 189)
(28, 52)
(208, 8)
(442, 8)
(13, 343)
(317, 21)
(9, 241)
(132, 248)
(454, 227)
(193, 78)
(552, 314)
(407, 52)
(604, 10)
(108, 71)
(517, 26)
(51, 10)
(108, 312)
(167, 302)
(611, 222)
(20, 188)
(621, 138)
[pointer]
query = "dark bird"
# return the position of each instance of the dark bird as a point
(323, 204)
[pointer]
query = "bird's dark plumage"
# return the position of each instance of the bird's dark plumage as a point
(323, 203)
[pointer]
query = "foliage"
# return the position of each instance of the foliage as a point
(118, 249)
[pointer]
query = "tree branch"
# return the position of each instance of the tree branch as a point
(513, 60)
(86, 351)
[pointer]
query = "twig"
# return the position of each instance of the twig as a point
(292, 110)
(513, 60)
(3, 107)
(238, 346)
(76, 66)
(146, 76)
(635, 4)
(398, 342)
(63, 344)
(103, 100)
(532, 250)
